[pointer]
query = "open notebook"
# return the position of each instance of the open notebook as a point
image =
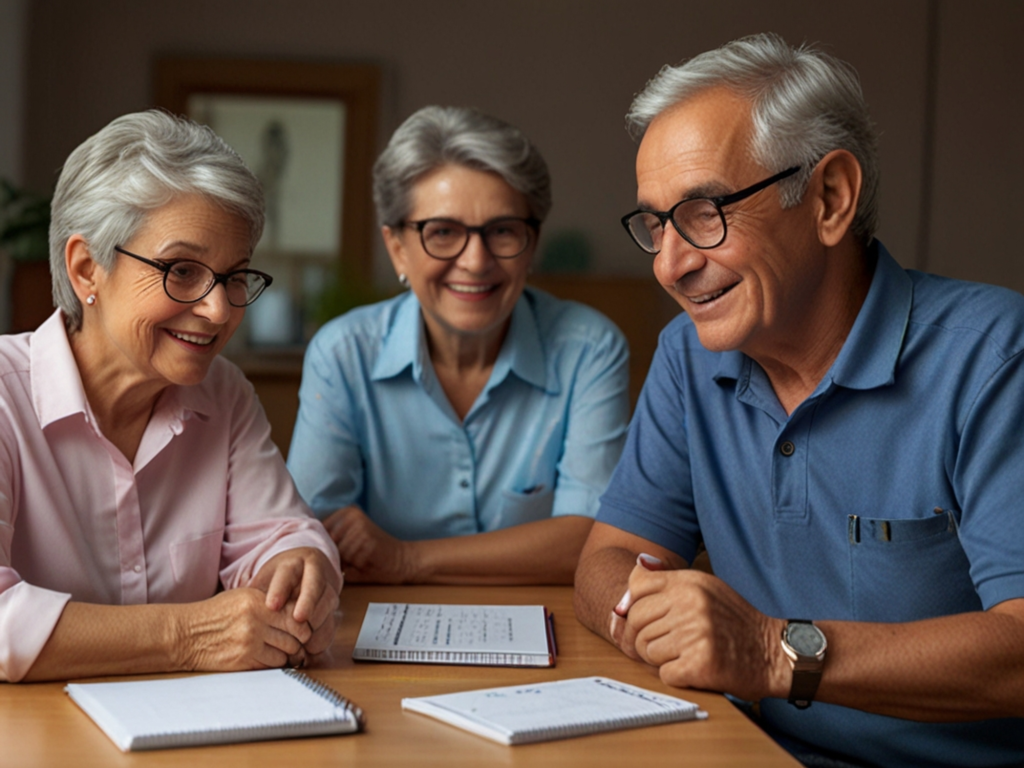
(496, 635)
(521, 714)
(215, 709)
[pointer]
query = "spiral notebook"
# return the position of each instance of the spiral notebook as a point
(496, 635)
(521, 714)
(215, 709)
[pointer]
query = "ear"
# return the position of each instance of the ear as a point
(82, 270)
(837, 184)
(396, 249)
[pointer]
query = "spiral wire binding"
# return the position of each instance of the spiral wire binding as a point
(326, 692)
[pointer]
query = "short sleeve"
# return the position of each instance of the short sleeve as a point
(651, 493)
(597, 423)
(989, 482)
(325, 457)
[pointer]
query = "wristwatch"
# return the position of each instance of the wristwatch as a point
(804, 644)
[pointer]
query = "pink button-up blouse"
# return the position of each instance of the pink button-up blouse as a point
(207, 501)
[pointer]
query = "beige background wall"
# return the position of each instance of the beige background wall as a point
(943, 79)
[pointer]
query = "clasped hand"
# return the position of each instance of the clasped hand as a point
(698, 631)
(367, 552)
(284, 617)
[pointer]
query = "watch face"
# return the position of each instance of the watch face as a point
(805, 639)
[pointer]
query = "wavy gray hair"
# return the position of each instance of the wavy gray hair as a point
(804, 104)
(435, 136)
(136, 164)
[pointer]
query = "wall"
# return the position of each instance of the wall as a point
(12, 77)
(565, 72)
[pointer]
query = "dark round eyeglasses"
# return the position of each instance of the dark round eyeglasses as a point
(188, 281)
(503, 238)
(700, 220)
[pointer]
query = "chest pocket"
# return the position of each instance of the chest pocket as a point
(519, 508)
(196, 564)
(905, 570)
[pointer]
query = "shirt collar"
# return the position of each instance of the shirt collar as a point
(400, 348)
(869, 354)
(522, 352)
(57, 390)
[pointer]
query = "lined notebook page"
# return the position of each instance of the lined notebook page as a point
(521, 714)
(512, 635)
(211, 709)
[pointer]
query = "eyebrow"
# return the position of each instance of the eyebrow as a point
(198, 250)
(707, 189)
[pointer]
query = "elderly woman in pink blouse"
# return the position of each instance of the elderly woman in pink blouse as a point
(147, 523)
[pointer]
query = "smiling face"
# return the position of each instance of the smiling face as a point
(748, 293)
(470, 297)
(135, 329)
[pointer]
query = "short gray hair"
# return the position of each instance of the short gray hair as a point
(136, 164)
(436, 136)
(804, 104)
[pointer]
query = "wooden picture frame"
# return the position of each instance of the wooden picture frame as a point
(178, 81)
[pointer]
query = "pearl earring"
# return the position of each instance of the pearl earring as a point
(404, 280)
(90, 299)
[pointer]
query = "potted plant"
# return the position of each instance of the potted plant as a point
(24, 238)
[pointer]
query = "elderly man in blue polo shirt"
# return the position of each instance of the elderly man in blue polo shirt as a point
(843, 435)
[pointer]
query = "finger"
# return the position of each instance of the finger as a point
(324, 609)
(654, 642)
(271, 657)
(622, 608)
(322, 638)
(311, 590)
(282, 584)
(283, 641)
(298, 660)
(650, 562)
(337, 531)
(338, 522)
(644, 562)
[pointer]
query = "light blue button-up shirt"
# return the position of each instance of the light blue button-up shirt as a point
(376, 429)
(895, 492)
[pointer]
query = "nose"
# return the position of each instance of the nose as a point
(677, 258)
(475, 258)
(214, 306)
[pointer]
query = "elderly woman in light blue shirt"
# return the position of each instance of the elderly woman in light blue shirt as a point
(463, 431)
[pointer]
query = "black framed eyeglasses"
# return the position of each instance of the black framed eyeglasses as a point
(446, 239)
(187, 281)
(700, 220)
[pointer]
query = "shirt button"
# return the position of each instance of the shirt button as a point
(787, 448)
(137, 569)
(464, 483)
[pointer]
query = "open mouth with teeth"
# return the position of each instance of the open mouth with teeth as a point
(188, 338)
(705, 298)
(470, 290)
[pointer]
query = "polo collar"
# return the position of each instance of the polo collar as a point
(870, 353)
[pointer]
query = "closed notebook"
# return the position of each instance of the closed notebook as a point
(498, 635)
(521, 714)
(215, 709)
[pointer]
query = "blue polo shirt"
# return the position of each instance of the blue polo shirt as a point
(895, 492)
(376, 429)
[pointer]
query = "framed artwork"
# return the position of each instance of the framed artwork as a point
(308, 131)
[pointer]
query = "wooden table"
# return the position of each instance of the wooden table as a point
(40, 727)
